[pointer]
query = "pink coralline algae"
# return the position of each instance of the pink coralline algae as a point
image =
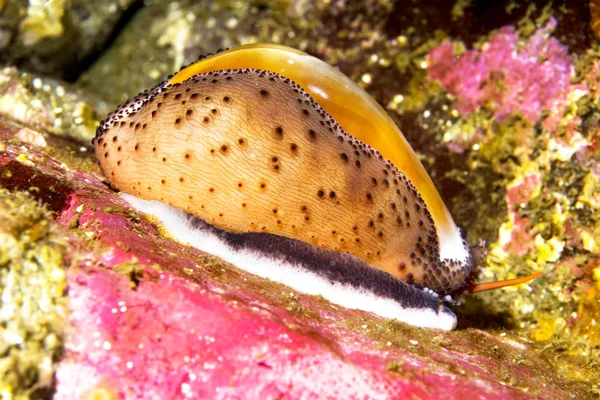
(507, 74)
(522, 190)
(518, 193)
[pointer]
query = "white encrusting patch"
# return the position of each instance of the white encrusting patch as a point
(177, 224)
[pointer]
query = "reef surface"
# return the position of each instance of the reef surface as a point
(125, 312)
(501, 102)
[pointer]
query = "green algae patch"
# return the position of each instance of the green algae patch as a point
(33, 306)
(75, 158)
(133, 270)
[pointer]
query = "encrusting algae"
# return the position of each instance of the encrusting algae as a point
(33, 306)
(525, 124)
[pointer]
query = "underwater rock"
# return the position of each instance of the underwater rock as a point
(150, 317)
(535, 341)
(49, 104)
(529, 151)
(55, 37)
(33, 306)
(159, 40)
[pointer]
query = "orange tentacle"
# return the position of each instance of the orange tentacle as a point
(481, 287)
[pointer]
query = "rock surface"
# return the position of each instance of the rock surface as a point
(520, 172)
(151, 318)
(57, 37)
